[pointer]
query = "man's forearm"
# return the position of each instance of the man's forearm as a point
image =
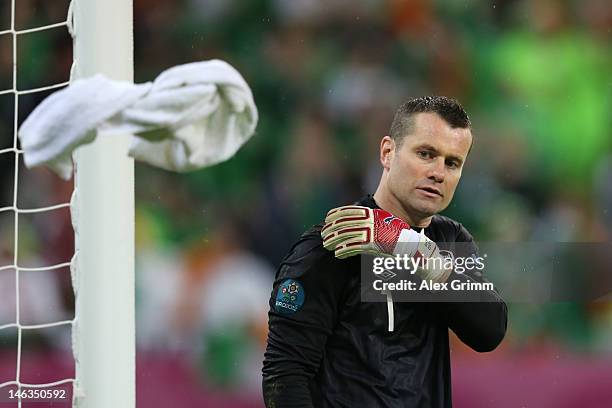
(291, 391)
(480, 323)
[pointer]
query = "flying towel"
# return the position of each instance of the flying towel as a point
(192, 116)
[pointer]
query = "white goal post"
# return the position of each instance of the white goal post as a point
(103, 217)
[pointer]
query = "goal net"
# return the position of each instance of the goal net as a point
(36, 207)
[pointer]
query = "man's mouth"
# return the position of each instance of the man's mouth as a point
(430, 190)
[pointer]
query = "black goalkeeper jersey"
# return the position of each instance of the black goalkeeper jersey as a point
(327, 348)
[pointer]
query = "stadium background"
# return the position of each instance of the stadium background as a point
(327, 76)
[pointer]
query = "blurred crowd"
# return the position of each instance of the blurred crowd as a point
(327, 77)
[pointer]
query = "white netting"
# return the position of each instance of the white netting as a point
(18, 267)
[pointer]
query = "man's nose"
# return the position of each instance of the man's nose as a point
(436, 171)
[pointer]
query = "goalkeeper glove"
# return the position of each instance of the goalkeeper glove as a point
(354, 230)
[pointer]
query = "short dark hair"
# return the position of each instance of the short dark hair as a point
(449, 109)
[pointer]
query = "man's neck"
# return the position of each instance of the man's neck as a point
(390, 203)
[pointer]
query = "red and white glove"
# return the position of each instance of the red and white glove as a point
(355, 230)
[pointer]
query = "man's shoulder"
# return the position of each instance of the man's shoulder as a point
(450, 229)
(310, 245)
(445, 222)
(308, 259)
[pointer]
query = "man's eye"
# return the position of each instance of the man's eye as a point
(424, 154)
(452, 165)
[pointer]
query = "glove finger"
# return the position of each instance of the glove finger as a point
(347, 218)
(354, 245)
(344, 223)
(334, 227)
(331, 240)
(347, 211)
(346, 208)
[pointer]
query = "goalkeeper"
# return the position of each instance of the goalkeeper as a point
(327, 348)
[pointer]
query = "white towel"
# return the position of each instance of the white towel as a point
(191, 116)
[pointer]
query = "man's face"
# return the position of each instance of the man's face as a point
(424, 170)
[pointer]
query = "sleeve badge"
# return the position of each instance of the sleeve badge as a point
(289, 297)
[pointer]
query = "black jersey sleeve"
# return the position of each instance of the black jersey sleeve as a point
(304, 307)
(480, 322)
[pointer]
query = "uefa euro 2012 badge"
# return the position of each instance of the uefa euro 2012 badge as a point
(289, 297)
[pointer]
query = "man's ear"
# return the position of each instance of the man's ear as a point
(387, 150)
